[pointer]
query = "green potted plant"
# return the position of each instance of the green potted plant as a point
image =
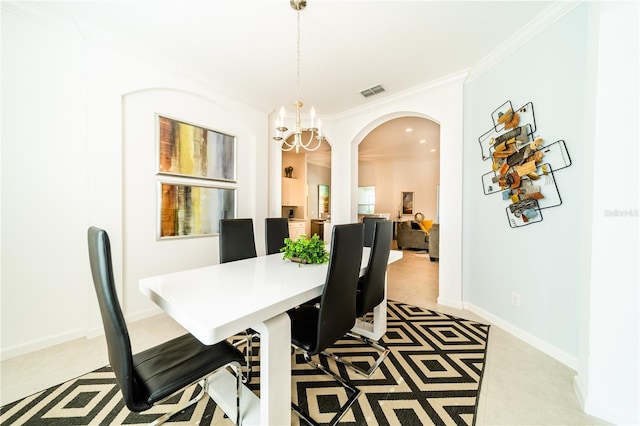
(305, 250)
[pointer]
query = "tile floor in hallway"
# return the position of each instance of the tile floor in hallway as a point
(521, 385)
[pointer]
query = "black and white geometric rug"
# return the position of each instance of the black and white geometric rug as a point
(432, 376)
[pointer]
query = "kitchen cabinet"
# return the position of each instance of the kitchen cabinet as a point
(293, 193)
(296, 228)
(317, 227)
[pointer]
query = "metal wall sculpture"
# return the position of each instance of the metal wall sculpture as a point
(524, 167)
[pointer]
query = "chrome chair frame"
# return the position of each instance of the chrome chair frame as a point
(355, 392)
(248, 354)
(382, 350)
(204, 384)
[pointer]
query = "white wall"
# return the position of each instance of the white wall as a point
(44, 186)
(141, 191)
(541, 262)
(609, 381)
(391, 178)
(577, 271)
(63, 93)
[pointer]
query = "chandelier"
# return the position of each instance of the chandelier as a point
(315, 133)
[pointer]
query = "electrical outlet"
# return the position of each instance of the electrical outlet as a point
(515, 299)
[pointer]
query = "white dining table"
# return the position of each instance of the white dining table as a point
(216, 302)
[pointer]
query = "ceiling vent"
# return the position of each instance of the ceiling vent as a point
(372, 91)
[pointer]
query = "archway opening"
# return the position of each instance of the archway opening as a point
(399, 160)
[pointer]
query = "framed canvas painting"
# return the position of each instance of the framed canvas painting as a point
(323, 200)
(193, 210)
(188, 150)
(407, 202)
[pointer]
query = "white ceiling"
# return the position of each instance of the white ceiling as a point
(247, 49)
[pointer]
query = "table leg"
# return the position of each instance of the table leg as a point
(275, 370)
(378, 328)
(274, 405)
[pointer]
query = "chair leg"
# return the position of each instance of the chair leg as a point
(239, 380)
(367, 373)
(248, 355)
(205, 388)
(237, 368)
(355, 393)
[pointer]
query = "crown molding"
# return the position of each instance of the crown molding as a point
(540, 23)
(458, 76)
(38, 14)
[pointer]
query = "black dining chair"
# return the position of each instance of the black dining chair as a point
(236, 240)
(370, 292)
(369, 225)
(153, 375)
(276, 229)
(314, 328)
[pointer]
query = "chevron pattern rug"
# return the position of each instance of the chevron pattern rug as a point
(432, 376)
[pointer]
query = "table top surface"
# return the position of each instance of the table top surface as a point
(218, 301)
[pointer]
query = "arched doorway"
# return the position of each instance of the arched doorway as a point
(400, 158)
(402, 155)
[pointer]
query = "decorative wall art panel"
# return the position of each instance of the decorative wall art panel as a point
(407, 202)
(323, 199)
(193, 210)
(523, 166)
(192, 151)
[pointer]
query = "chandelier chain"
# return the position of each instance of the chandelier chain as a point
(298, 56)
(315, 133)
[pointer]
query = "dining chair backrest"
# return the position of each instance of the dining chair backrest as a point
(372, 284)
(275, 231)
(338, 301)
(115, 327)
(236, 240)
(369, 225)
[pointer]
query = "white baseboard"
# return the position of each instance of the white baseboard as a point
(144, 314)
(604, 414)
(541, 345)
(36, 345)
(89, 333)
(450, 303)
(577, 389)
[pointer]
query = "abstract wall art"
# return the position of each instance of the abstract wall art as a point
(407, 202)
(193, 210)
(192, 151)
